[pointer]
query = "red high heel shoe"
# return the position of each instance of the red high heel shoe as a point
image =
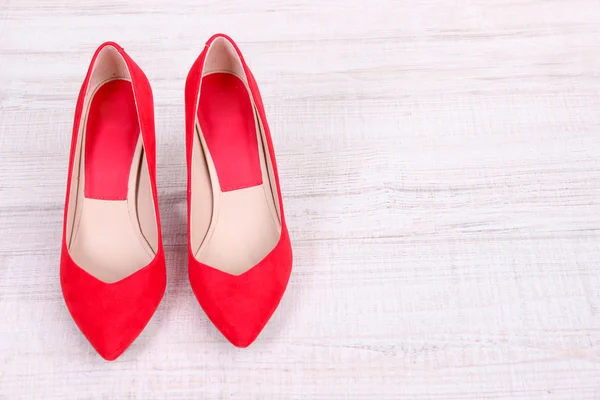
(112, 268)
(240, 257)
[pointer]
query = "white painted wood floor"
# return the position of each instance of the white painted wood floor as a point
(440, 164)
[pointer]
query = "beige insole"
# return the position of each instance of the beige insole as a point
(111, 239)
(232, 231)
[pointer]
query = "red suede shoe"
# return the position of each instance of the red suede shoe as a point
(240, 257)
(112, 268)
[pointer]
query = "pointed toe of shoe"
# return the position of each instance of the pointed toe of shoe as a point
(241, 305)
(237, 330)
(112, 315)
(243, 338)
(112, 346)
(112, 338)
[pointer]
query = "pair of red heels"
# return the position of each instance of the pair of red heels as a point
(112, 270)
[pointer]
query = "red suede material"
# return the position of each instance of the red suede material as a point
(226, 117)
(112, 315)
(112, 131)
(239, 306)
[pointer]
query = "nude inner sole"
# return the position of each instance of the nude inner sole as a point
(111, 239)
(236, 228)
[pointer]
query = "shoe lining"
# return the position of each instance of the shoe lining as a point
(112, 230)
(235, 219)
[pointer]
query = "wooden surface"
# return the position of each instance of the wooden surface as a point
(440, 164)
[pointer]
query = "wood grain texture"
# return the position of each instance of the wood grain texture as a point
(440, 164)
